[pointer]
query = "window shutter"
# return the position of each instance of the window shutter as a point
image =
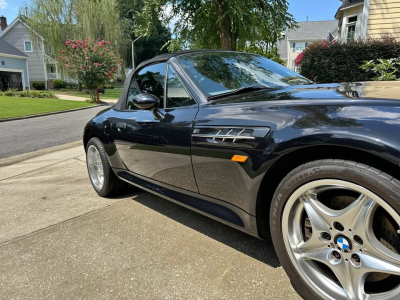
(294, 47)
(306, 45)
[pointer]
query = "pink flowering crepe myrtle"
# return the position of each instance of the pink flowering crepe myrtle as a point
(298, 59)
(91, 67)
(320, 44)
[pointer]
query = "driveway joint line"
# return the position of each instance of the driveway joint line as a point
(59, 223)
(39, 168)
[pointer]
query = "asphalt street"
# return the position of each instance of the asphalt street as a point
(22, 136)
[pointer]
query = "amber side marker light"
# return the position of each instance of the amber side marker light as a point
(239, 158)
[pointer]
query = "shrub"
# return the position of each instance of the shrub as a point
(59, 84)
(49, 94)
(341, 61)
(10, 93)
(24, 94)
(35, 94)
(38, 85)
(386, 69)
(71, 86)
(108, 86)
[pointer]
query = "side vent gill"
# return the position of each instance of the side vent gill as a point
(243, 137)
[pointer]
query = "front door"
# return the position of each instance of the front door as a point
(158, 147)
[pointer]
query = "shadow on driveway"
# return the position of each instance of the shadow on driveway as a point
(251, 246)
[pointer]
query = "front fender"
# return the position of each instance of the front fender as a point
(101, 127)
(381, 144)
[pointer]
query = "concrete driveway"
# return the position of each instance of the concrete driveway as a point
(59, 240)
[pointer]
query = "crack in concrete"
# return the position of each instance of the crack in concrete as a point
(37, 169)
(8, 242)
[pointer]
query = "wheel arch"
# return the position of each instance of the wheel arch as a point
(289, 161)
(88, 133)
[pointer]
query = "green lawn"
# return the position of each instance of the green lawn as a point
(109, 93)
(17, 106)
(112, 93)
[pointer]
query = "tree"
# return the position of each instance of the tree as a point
(146, 47)
(60, 20)
(153, 45)
(92, 62)
(218, 24)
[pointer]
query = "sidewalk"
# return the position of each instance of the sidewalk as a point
(69, 97)
(59, 240)
(77, 98)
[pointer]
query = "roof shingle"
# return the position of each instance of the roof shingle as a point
(347, 3)
(312, 30)
(7, 48)
(307, 31)
(350, 3)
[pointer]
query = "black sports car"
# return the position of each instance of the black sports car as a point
(246, 141)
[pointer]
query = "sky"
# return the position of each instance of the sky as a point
(316, 10)
(10, 8)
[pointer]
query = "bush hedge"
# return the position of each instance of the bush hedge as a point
(341, 61)
(29, 94)
(38, 85)
(59, 84)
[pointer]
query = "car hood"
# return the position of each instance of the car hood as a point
(385, 90)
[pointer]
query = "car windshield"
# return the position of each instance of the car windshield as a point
(218, 73)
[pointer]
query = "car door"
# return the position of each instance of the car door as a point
(157, 144)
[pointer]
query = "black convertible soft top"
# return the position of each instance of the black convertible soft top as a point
(166, 56)
(120, 105)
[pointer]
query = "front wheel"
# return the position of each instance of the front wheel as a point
(335, 226)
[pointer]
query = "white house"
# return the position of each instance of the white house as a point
(295, 41)
(41, 67)
(13, 67)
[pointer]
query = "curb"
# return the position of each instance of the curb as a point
(51, 113)
(11, 160)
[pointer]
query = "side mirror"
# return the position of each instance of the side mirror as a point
(146, 101)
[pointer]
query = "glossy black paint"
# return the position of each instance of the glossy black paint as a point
(166, 158)
(157, 148)
(208, 206)
(146, 101)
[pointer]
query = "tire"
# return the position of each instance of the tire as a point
(318, 180)
(111, 184)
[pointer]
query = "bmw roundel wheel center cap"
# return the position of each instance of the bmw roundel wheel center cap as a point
(343, 243)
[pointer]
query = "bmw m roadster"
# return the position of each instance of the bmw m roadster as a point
(313, 167)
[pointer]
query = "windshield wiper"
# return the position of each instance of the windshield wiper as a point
(244, 89)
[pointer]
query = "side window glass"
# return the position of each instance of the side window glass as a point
(177, 96)
(149, 80)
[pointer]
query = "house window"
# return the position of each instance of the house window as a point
(28, 46)
(299, 47)
(351, 28)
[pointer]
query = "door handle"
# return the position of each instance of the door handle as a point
(121, 126)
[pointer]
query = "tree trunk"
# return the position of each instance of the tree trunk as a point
(79, 86)
(97, 96)
(225, 34)
(93, 96)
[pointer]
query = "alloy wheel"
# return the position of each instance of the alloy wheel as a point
(343, 240)
(95, 167)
